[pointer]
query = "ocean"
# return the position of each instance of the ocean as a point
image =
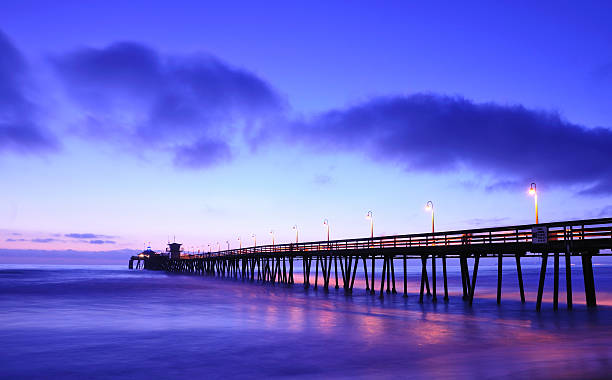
(105, 321)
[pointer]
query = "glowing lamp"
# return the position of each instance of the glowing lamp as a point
(532, 189)
(534, 193)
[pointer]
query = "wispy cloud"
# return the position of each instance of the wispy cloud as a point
(85, 236)
(478, 222)
(35, 240)
(606, 212)
(322, 179)
(102, 242)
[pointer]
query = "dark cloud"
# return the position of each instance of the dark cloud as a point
(101, 242)
(44, 240)
(190, 106)
(197, 108)
(35, 240)
(84, 236)
(434, 133)
(202, 154)
(504, 185)
(19, 130)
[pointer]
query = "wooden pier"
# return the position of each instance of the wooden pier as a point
(581, 239)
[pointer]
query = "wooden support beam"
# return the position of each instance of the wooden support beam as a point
(589, 282)
(473, 287)
(423, 276)
(542, 278)
(382, 279)
(328, 271)
(393, 275)
(308, 265)
(427, 278)
(389, 267)
(343, 271)
(519, 272)
(568, 276)
(275, 269)
(499, 276)
(349, 265)
(372, 291)
(365, 271)
(467, 277)
(433, 278)
(324, 269)
(445, 278)
(354, 272)
(405, 279)
(316, 272)
(556, 282)
(336, 270)
(463, 279)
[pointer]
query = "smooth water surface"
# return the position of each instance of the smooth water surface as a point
(107, 321)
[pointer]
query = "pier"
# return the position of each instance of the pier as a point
(335, 262)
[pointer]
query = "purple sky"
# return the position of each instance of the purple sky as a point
(129, 122)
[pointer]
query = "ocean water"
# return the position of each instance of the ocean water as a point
(109, 322)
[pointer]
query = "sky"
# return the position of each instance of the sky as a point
(124, 123)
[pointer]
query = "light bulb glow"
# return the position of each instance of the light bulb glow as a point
(429, 206)
(532, 188)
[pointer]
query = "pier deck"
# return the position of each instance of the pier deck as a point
(275, 263)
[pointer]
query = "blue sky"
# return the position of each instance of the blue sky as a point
(142, 120)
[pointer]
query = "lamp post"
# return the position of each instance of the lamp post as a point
(429, 207)
(240, 242)
(533, 191)
(295, 228)
(218, 247)
(272, 234)
(326, 224)
(209, 251)
(370, 216)
(255, 239)
(227, 241)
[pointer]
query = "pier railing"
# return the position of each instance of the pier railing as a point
(542, 233)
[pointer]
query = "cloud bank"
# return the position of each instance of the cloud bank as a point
(19, 129)
(85, 236)
(201, 111)
(192, 106)
(436, 133)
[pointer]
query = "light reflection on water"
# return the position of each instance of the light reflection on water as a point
(98, 322)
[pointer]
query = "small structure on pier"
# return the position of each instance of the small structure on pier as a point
(148, 253)
(175, 250)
